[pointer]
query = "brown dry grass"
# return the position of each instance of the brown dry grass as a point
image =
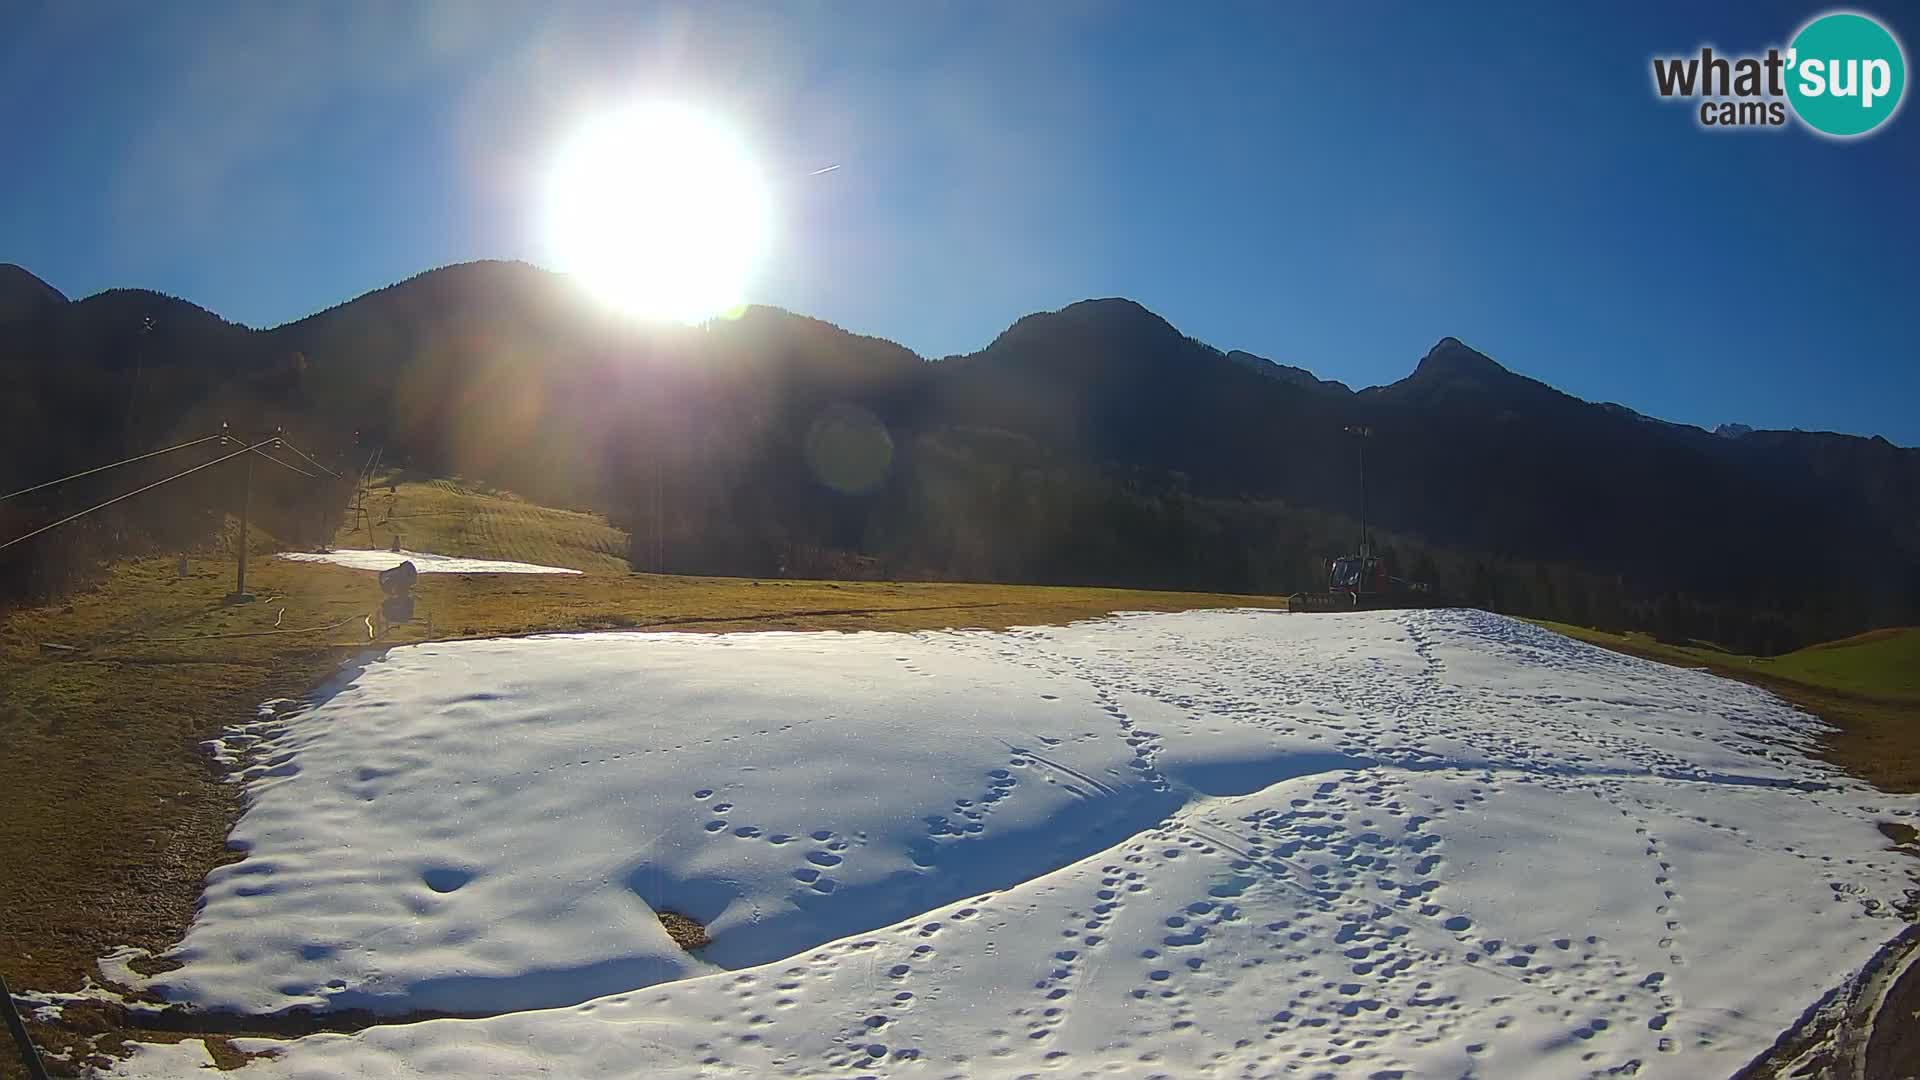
(685, 931)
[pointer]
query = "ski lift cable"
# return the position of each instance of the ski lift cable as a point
(131, 494)
(275, 460)
(113, 465)
(289, 468)
(308, 459)
(373, 463)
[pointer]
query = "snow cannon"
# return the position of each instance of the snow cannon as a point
(399, 580)
(397, 584)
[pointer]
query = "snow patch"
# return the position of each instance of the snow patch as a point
(424, 561)
(1211, 843)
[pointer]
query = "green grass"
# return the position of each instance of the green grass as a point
(1883, 663)
(1866, 686)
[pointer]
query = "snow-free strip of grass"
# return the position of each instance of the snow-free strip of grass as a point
(1213, 843)
(424, 561)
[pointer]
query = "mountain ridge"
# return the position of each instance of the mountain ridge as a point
(1092, 444)
(22, 294)
(1448, 359)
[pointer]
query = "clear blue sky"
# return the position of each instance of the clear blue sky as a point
(1336, 189)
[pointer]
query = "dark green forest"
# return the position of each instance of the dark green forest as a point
(1092, 445)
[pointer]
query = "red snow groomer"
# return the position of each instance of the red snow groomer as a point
(1362, 582)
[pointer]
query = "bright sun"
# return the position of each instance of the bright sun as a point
(659, 211)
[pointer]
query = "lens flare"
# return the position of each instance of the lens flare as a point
(658, 210)
(849, 450)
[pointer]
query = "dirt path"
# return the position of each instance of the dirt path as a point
(1893, 1048)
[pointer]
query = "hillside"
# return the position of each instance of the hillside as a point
(451, 517)
(1096, 444)
(1881, 663)
(106, 761)
(23, 295)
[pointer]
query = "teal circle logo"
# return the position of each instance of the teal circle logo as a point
(1845, 74)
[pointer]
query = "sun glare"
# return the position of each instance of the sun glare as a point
(658, 210)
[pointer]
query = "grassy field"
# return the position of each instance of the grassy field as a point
(1867, 686)
(1882, 663)
(110, 812)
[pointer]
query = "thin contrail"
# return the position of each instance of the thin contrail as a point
(822, 172)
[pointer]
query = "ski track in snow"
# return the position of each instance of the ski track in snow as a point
(1222, 843)
(424, 562)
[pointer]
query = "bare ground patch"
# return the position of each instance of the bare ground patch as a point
(685, 931)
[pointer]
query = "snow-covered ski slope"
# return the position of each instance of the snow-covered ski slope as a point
(1223, 843)
(425, 562)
